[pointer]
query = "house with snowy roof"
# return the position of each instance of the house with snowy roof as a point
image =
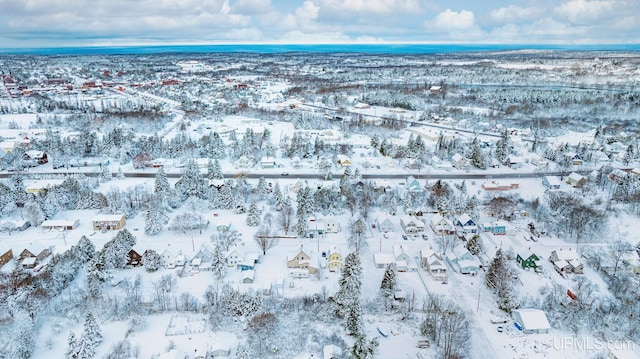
(432, 262)
(576, 179)
(466, 224)
(458, 161)
(412, 185)
(301, 260)
(234, 255)
(384, 223)
(463, 261)
(411, 225)
(531, 321)
(527, 259)
(566, 261)
(440, 225)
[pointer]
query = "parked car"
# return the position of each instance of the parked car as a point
(425, 237)
(500, 329)
(284, 174)
(404, 236)
(423, 344)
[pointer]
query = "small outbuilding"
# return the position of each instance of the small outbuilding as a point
(531, 321)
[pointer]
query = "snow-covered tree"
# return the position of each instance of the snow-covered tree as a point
(155, 216)
(474, 245)
(349, 284)
(218, 262)
(253, 216)
(72, 347)
(120, 174)
(284, 219)
(90, 338)
(389, 283)
(191, 183)
(161, 183)
(363, 348)
(34, 214)
(151, 260)
(500, 278)
(105, 175)
(265, 239)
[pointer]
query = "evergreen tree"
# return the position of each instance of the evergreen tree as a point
(120, 174)
(499, 278)
(215, 172)
(72, 347)
(91, 337)
(106, 175)
(161, 184)
(354, 319)
(350, 283)
(253, 216)
(261, 189)
(218, 262)
(477, 157)
(363, 348)
(474, 245)
(191, 183)
(278, 199)
(156, 216)
(389, 283)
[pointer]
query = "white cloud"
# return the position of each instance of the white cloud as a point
(450, 20)
(371, 6)
(513, 13)
(587, 11)
(304, 18)
(252, 7)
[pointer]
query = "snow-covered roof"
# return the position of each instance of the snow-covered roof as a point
(532, 319)
(107, 217)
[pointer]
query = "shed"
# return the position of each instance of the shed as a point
(108, 222)
(531, 320)
(60, 224)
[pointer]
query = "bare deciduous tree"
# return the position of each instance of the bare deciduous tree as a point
(265, 239)
(284, 219)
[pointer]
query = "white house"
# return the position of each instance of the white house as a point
(234, 255)
(331, 226)
(411, 225)
(384, 223)
(433, 263)
(458, 161)
(382, 260)
(399, 254)
(267, 162)
(441, 225)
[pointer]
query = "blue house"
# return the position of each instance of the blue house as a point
(465, 223)
(497, 227)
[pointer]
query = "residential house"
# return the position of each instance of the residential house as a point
(60, 224)
(515, 162)
(458, 161)
(382, 260)
(566, 261)
(401, 258)
(576, 179)
(412, 185)
(168, 259)
(8, 145)
(441, 226)
(301, 260)
(495, 227)
(466, 224)
(134, 257)
(551, 182)
(205, 255)
(432, 262)
(234, 255)
(384, 223)
(267, 162)
(334, 259)
(108, 222)
(435, 89)
(527, 259)
(244, 162)
(495, 186)
(531, 321)
(38, 157)
(39, 186)
(411, 225)
(29, 260)
(331, 226)
(462, 261)
(6, 257)
(344, 161)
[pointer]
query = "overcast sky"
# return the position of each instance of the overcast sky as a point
(53, 23)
